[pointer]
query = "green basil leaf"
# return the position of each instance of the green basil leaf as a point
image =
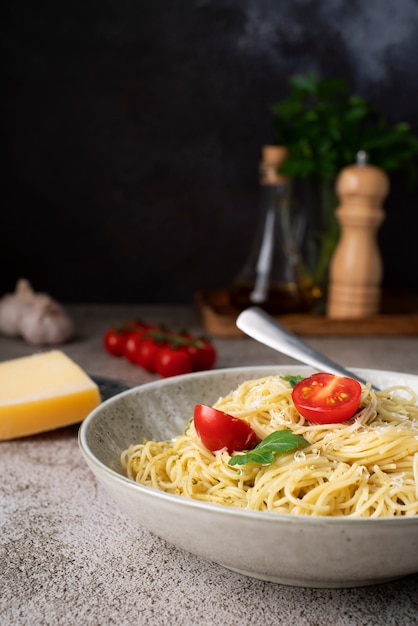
(293, 380)
(278, 442)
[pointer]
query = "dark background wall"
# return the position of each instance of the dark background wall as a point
(132, 130)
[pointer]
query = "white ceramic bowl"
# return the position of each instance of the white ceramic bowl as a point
(288, 549)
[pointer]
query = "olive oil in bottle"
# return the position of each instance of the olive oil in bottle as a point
(273, 276)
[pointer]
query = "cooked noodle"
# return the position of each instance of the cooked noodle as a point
(366, 467)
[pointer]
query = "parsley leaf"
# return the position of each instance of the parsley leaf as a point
(293, 380)
(276, 443)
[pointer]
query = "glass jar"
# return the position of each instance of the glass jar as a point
(273, 276)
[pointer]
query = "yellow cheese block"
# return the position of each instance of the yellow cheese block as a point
(43, 392)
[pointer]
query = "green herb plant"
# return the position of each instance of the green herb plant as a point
(323, 127)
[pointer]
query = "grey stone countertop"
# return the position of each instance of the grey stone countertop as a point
(68, 555)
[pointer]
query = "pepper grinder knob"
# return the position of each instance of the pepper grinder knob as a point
(356, 268)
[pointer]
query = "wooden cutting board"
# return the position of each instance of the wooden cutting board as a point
(399, 317)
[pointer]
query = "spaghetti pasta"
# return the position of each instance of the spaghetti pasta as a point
(365, 467)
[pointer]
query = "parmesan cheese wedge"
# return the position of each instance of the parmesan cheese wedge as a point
(43, 392)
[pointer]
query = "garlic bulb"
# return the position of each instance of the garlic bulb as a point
(36, 317)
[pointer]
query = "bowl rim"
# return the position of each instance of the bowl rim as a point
(264, 516)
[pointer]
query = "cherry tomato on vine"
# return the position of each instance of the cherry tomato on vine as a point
(132, 343)
(172, 361)
(114, 340)
(147, 352)
(327, 399)
(203, 354)
(218, 430)
(136, 324)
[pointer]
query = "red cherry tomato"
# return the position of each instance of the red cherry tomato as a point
(114, 340)
(136, 324)
(140, 343)
(203, 354)
(146, 354)
(327, 399)
(171, 361)
(218, 430)
(132, 343)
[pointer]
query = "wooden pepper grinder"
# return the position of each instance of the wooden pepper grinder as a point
(356, 267)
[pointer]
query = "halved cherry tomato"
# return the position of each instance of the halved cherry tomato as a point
(218, 430)
(171, 361)
(327, 399)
